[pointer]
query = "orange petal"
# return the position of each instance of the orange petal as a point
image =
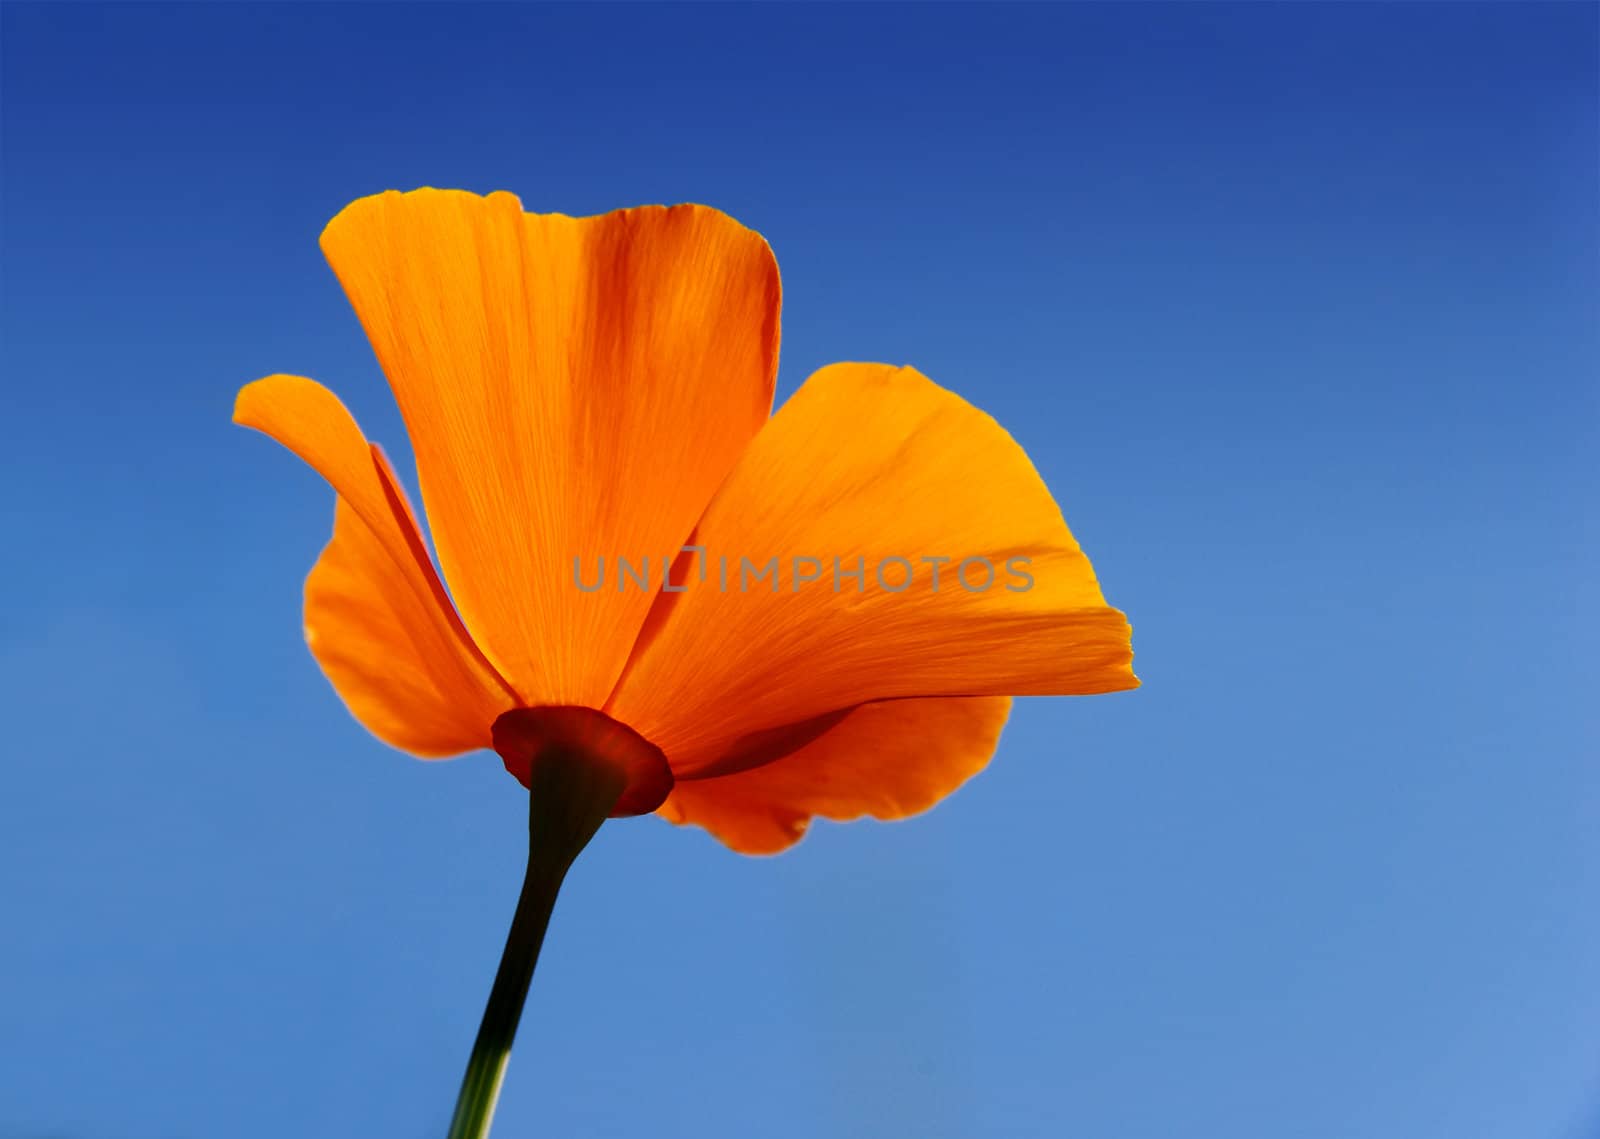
(866, 464)
(377, 618)
(574, 389)
(389, 658)
(888, 760)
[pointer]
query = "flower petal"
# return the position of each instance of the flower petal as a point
(377, 617)
(889, 760)
(868, 464)
(574, 388)
(392, 662)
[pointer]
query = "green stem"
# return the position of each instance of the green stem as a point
(568, 798)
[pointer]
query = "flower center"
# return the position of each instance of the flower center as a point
(524, 737)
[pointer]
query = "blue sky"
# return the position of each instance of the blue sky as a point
(1294, 307)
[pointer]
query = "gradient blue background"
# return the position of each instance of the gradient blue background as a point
(1295, 308)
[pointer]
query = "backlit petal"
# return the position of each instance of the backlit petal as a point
(392, 662)
(574, 389)
(888, 760)
(870, 463)
(377, 618)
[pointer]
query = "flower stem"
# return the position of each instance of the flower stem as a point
(569, 796)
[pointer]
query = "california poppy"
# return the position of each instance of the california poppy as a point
(585, 392)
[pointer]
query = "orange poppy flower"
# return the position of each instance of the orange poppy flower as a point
(585, 391)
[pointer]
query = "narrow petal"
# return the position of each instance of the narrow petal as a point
(394, 664)
(377, 617)
(888, 760)
(574, 389)
(874, 469)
